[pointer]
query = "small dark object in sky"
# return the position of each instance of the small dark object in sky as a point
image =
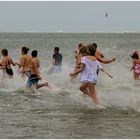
(106, 15)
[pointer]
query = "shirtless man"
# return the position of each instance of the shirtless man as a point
(25, 62)
(98, 53)
(100, 57)
(6, 62)
(35, 73)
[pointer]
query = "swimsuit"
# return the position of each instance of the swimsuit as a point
(33, 80)
(137, 69)
(7, 70)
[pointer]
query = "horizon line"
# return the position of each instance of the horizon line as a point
(69, 32)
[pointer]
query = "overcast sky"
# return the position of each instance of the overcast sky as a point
(69, 16)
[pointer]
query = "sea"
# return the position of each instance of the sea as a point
(63, 111)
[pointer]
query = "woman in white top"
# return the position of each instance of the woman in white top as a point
(88, 69)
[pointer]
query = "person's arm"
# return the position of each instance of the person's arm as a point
(12, 62)
(79, 70)
(105, 61)
(53, 59)
(133, 65)
(16, 63)
(2, 63)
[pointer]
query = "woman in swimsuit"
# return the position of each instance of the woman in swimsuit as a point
(135, 65)
(6, 63)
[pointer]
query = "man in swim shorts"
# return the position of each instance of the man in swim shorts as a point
(35, 73)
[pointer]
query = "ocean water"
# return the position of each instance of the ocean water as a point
(63, 111)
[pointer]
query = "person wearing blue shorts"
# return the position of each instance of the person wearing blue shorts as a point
(35, 73)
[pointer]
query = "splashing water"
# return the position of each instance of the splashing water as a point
(63, 111)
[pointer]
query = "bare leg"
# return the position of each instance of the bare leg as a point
(136, 76)
(93, 93)
(42, 85)
(84, 89)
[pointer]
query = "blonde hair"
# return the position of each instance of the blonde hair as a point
(84, 49)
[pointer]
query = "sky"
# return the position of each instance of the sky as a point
(64, 16)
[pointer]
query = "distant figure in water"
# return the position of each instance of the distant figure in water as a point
(25, 63)
(6, 63)
(35, 73)
(135, 65)
(56, 61)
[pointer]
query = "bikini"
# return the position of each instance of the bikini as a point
(7, 70)
(137, 69)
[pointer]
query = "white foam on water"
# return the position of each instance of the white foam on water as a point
(121, 91)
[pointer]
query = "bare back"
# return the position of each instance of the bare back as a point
(6, 62)
(35, 64)
(25, 62)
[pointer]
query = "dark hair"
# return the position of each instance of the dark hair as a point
(56, 49)
(34, 53)
(135, 55)
(4, 52)
(95, 45)
(25, 50)
(91, 49)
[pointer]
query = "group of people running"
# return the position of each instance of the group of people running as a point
(28, 66)
(88, 60)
